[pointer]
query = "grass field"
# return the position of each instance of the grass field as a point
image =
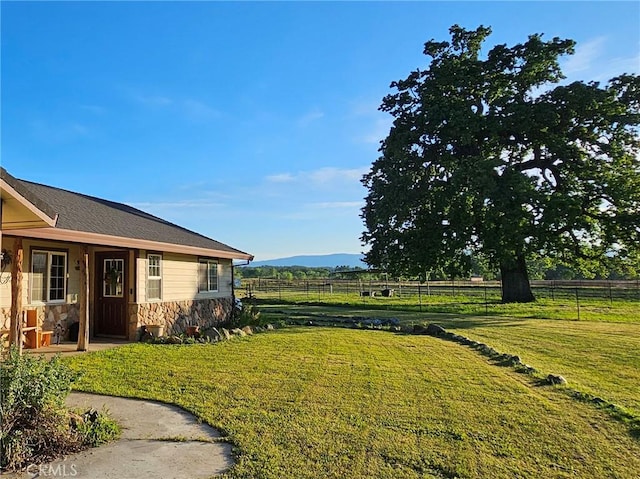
(334, 403)
(584, 309)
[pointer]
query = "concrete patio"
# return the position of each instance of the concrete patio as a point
(70, 348)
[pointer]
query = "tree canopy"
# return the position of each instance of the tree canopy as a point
(486, 156)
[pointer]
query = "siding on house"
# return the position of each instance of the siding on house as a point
(180, 278)
(74, 254)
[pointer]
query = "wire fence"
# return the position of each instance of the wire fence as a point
(471, 291)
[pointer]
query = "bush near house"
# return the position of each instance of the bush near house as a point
(35, 424)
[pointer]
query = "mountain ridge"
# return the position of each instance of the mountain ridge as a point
(352, 260)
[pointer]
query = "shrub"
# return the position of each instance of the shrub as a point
(35, 424)
(94, 428)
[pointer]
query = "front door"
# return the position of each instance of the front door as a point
(111, 294)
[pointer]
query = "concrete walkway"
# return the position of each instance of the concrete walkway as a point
(158, 441)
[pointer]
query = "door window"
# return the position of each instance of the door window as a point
(113, 278)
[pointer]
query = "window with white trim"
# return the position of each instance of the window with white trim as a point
(207, 275)
(154, 276)
(48, 276)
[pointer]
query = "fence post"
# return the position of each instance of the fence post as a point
(420, 295)
(610, 296)
(578, 302)
(486, 306)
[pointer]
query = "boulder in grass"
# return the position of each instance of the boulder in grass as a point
(269, 327)
(556, 379)
(435, 329)
(226, 334)
(238, 332)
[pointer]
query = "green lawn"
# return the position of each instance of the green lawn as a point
(596, 357)
(336, 403)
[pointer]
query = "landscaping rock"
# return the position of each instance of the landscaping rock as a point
(393, 322)
(556, 379)
(435, 329)
(238, 332)
(270, 327)
(226, 334)
(147, 337)
(214, 335)
(248, 331)
(174, 340)
(419, 329)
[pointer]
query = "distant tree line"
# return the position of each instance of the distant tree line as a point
(539, 268)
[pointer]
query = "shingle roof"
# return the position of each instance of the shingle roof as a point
(79, 212)
(25, 193)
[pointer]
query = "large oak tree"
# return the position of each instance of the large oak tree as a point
(486, 156)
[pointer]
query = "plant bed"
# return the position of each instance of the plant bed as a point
(36, 426)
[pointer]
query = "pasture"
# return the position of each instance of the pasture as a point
(571, 300)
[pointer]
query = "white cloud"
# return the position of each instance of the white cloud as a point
(337, 204)
(309, 117)
(95, 109)
(175, 205)
(281, 178)
(321, 176)
(331, 174)
(585, 57)
(190, 108)
(63, 132)
(593, 62)
(372, 124)
(198, 110)
(377, 132)
(153, 101)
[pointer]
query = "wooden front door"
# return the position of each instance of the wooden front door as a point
(111, 294)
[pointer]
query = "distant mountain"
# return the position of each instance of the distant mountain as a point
(316, 261)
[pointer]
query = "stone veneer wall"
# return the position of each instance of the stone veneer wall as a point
(175, 316)
(48, 316)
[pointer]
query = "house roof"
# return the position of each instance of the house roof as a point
(20, 208)
(87, 219)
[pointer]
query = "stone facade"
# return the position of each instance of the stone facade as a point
(175, 316)
(48, 316)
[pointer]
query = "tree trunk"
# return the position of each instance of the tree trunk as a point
(515, 281)
(15, 335)
(83, 331)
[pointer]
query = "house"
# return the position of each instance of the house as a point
(112, 268)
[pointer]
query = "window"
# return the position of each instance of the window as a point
(48, 276)
(154, 276)
(208, 275)
(113, 278)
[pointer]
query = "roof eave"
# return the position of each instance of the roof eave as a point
(57, 234)
(37, 212)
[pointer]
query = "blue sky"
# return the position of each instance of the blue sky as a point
(251, 123)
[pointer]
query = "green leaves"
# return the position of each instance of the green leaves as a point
(485, 157)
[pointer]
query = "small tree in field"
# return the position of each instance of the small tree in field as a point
(484, 158)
